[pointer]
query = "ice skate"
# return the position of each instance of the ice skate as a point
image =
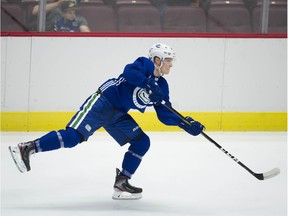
(123, 190)
(21, 155)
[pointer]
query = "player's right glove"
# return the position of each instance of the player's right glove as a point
(155, 93)
(195, 127)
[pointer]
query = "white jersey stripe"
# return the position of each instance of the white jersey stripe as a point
(107, 85)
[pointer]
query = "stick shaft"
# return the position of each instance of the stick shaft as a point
(258, 176)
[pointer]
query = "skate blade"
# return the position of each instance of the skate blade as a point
(15, 153)
(122, 195)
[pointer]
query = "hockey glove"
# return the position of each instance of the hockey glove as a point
(154, 91)
(195, 127)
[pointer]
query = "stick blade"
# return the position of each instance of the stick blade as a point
(267, 175)
(272, 173)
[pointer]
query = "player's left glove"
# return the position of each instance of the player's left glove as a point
(195, 127)
(155, 93)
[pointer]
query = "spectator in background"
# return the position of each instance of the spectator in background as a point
(53, 13)
(69, 22)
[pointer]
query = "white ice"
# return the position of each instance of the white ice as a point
(180, 175)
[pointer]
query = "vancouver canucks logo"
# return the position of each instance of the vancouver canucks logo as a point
(140, 98)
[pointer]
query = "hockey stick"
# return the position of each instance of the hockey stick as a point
(259, 176)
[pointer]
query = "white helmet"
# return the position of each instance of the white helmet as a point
(162, 51)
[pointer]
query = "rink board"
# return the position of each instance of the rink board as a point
(230, 121)
(228, 84)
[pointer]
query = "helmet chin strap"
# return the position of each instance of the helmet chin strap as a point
(159, 68)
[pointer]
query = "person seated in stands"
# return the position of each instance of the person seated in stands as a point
(70, 22)
(53, 13)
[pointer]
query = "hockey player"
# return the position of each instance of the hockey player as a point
(140, 85)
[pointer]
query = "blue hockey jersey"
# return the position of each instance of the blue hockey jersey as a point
(128, 90)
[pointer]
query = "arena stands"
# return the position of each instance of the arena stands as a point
(224, 16)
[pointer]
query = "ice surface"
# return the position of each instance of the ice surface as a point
(180, 175)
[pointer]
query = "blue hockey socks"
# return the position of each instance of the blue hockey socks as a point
(58, 139)
(133, 157)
